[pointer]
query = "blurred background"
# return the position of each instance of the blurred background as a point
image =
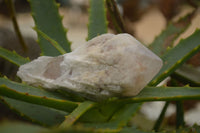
(144, 19)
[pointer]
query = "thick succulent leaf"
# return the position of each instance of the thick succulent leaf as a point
(35, 113)
(48, 20)
(135, 130)
(193, 129)
(178, 55)
(187, 74)
(104, 111)
(166, 94)
(108, 114)
(119, 118)
(35, 95)
(179, 114)
(109, 128)
(8, 127)
(75, 115)
(173, 30)
(11, 10)
(97, 18)
(13, 57)
(161, 117)
(124, 114)
(115, 16)
(81, 129)
(24, 88)
(53, 42)
(13, 127)
(101, 112)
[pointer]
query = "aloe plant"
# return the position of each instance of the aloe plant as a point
(65, 112)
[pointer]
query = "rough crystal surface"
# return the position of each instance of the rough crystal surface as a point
(106, 66)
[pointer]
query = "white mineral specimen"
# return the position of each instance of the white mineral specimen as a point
(106, 66)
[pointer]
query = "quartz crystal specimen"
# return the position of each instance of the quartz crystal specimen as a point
(106, 66)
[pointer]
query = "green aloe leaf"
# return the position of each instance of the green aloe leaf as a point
(125, 108)
(81, 129)
(119, 118)
(166, 94)
(11, 8)
(109, 128)
(97, 18)
(161, 117)
(13, 57)
(115, 16)
(24, 88)
(35, 95)
(179, 114)
(178, 55)
(35, 113)
(102, 112)
(173, 30)
(135, 130)
(75, 115)
(48, 20)
(12, 127)
(187, 74)
(53, 42)
(193, 129)
(124, 114)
